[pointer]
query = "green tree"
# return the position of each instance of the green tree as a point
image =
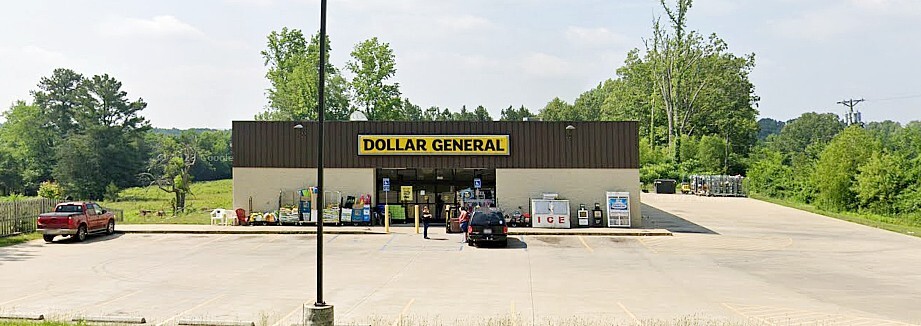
(116, 123)
(481, 114)
(170, 172)
(463, 115)
(588, 106)
(436, 114)
(29, 147)
(512, 114)
(59, 96)
(880, 181)
(838, 165)
(768, 126)
(10, 172)
(81, 169)
(50, 190)
(884, 131)
(699, 81)
(411, 112)
(293, 72)
(808, 129)
(768, 175)
(212, 151)
(711, 153)
(373, 65)
(558, 110)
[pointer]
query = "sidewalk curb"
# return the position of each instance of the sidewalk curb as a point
(246, 232)
(598, 234)
(638, 233)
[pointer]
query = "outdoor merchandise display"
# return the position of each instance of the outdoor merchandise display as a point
(332, 200)
(397, 213)
(308, 204)
(717, 185)
(618, 207)
(345, 216)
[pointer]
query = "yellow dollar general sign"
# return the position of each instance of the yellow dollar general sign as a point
(406, 193)
(432, 145)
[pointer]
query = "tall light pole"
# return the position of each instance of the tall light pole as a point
(320, 313)
(321, 108)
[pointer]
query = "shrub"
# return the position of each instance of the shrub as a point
(50, 190)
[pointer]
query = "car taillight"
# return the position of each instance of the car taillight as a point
(505, 229)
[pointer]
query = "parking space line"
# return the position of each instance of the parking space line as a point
(274, 238)
(23, 298)
(332, 238)
(632, 316)
(746, 316)
(208, 242)
(643, 242)
(388, 242)
(116, 299)
(285, 318)
(399, 319)
(190, 309)
(586, 244)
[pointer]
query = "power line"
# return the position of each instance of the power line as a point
(896, 98)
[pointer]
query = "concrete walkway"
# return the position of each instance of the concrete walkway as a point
(399, 229)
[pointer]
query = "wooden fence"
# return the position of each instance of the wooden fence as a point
(19, 216)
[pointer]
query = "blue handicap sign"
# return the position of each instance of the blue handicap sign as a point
(477, 183)
(386, 184)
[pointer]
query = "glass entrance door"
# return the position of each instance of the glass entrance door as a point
(435, 188)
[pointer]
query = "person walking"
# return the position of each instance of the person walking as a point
(426, 220)
(464, 220)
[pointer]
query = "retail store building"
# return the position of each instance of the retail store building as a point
(517, 160)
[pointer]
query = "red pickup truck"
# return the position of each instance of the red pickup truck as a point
(76, 219)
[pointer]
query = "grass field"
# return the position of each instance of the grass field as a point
(36, 323)
(905, 225)
(206, 195)
(17, 239)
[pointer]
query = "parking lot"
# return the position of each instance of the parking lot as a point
(731, 259)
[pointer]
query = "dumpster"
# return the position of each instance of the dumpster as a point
(665, 186)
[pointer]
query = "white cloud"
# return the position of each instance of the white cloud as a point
(847, 17)
(164, 26)
(819, 25)
(465, 22)
(260, 3)
(546, 65)
(43, 55)
(598, 36)
(890, 7)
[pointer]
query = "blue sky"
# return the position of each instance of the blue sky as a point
(197, 63)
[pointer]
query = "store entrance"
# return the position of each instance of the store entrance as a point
(437, 189)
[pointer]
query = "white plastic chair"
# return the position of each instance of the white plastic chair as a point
(219, 215)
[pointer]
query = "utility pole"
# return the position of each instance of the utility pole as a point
(852, 117)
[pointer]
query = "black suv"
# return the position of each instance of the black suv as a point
(487, 227)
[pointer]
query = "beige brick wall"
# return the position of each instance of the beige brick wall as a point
(264, 184)
(515, 187)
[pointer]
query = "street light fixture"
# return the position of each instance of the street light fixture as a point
(320, 313)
